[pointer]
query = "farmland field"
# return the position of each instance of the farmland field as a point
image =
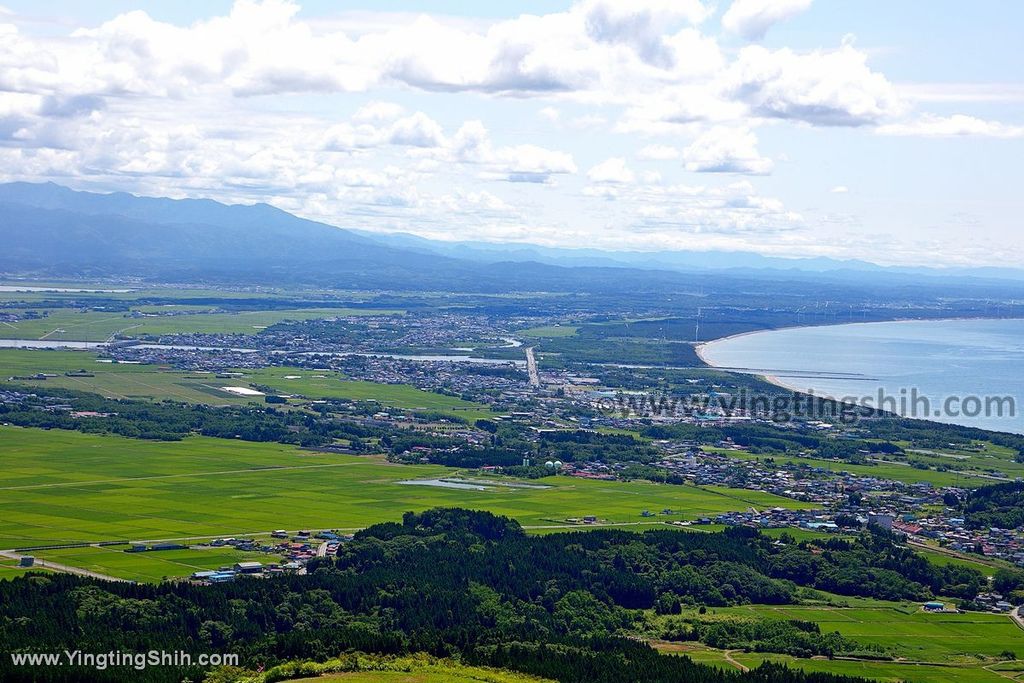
(61, 486)
(906, 630)
(10, 569)
(890, 672)
(121, 380)
(115, 380)
(150, 566)
(943, 647)
(549, 331)
(62, 324)
(315, 385)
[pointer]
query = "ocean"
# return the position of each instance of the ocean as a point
(968, 372)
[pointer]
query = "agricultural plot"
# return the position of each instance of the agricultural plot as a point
(932, 647)
(316, 385)
(549, 331)
(10, 569)
(114, 380)
(64, 324)
(63, 487)
(893, 672)
(150, 566)
(906, 631)
(122, 380)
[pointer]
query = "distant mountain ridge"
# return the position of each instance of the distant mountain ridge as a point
(679, 260)
(49, 230)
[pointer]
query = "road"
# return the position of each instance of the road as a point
(54, 566)
(728, 658)
(1017, 617)
(977, 559)
(531, 367)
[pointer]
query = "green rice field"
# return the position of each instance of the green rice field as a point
(65, 487)
(925, 646)
(905, 630)
(125, 380)
(65, 324)
(150, 566)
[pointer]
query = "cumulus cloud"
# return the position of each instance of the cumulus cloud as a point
(958, 125)
(724, 149)
(641, 25)
(153, 107)
(613, 170)
(525, 163)
(828, 88)
(416, 130)
(752, 18)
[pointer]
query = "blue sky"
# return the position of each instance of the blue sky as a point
(876, 130)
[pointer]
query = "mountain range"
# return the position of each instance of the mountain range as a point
(52, 231)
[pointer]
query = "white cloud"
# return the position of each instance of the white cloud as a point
(640, 25)
(253, 106)
(613, 170)
(723, 149)
(658, 153)
(516, 163)
(839, 189)
(418, 130)
(835, 88)
(752, 18)
(958, 125)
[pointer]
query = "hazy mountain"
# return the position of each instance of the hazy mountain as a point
(52, 231)
(686, 261)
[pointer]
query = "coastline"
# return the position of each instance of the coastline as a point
(788, 386)
(699, 347)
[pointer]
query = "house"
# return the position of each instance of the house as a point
(249, 568)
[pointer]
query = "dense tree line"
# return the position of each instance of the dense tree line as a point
(996, 505)
(790, 637)
(510, 444)
(453, 583)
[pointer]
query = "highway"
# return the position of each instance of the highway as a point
(531, 367)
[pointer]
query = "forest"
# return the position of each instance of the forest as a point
(996, 505)
(472, 585)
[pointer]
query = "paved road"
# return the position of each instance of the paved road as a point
(54, 566)
(531, 367)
